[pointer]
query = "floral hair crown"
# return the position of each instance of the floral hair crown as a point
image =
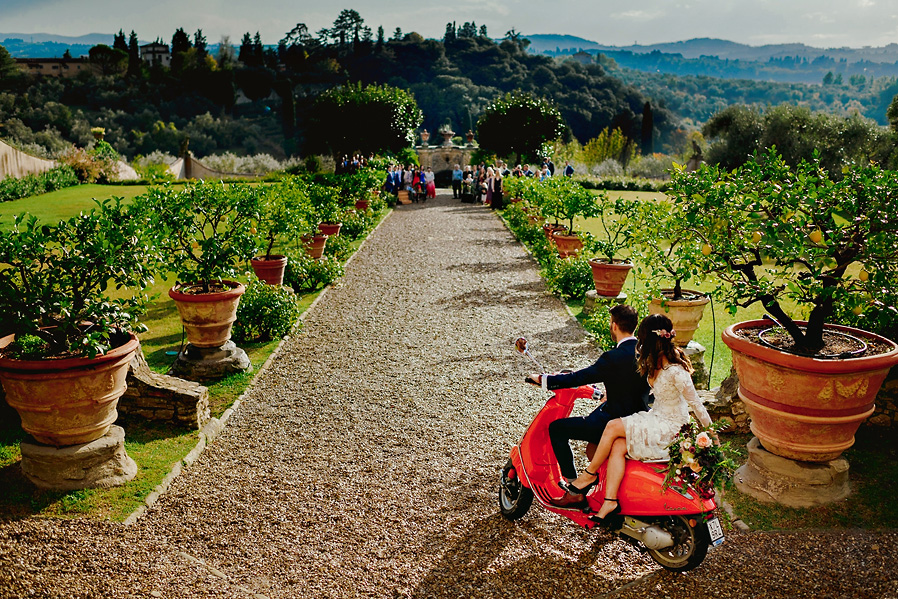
(665, 334)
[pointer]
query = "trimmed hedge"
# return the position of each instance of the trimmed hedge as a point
(12, 188)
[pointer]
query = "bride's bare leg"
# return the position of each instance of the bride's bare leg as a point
(617, 463)
(613, 430)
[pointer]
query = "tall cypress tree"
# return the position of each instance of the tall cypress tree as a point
(134, 69)
(648, 128)
(118, 41)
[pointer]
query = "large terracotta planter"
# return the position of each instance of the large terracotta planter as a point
(330, 228)
(609, 278)
(270, 270)
(685, 314)
(803, 408)
(567, 245)
(208, 317)
(68, 401)
(549, 230)
(363, 204)
(315, 244)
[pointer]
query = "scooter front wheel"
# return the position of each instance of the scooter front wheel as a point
(690, 544)
(514, 497)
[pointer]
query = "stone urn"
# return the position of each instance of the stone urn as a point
(271, 269)
(68, 401)
(684, 313)
(805, 408)
(207, 317)
(447, 136)
(425, 135)
(469, 136)
(609, 278)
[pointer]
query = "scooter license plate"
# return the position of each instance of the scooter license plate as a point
(715, 531)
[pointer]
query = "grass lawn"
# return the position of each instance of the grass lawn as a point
(64, 203)
(154, 447)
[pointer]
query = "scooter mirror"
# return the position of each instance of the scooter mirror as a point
(520, 344)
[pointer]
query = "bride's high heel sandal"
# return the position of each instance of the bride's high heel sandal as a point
(612, 513)
(570, 488)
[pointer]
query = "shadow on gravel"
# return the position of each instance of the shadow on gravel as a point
(480, 298)
(490, 267)
(467, 567)
(496, 243)
(571, 333)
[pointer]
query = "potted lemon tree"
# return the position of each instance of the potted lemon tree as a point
(567, 200)
(806, 246)
(284, 213)
(666, 251)
(617, 220)
(67, 341)
(205, 234)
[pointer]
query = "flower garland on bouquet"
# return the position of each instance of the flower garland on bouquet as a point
(697, 461)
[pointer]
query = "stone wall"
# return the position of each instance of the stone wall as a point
(14, 163)
(443, 158)
(158, 397)
(188, 167)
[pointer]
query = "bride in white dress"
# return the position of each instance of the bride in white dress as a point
(646, 435)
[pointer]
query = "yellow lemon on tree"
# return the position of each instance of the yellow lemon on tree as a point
(706, 249)
(755, 237)
(858, 310)
(816, 236)
(863, 275)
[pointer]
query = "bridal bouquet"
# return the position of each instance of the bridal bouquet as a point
(697, 461)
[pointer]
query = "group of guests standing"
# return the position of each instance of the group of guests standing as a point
(481, 182)
(418, 181)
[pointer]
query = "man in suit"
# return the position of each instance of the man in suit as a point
(626, 392)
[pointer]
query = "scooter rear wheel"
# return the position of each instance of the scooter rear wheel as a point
(514, 497)
(690, 544)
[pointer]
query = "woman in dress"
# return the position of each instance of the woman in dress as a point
(646, 435)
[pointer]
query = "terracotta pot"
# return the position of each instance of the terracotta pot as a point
(363, 204)
(315, 244)
(609, 278)
(803, 408)
(549, 230)
(270, 270)
(330, 228)
(208, 317)
(567, 245)
(685, 314)
(68, 401)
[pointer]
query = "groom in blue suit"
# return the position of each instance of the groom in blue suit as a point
(626, 392)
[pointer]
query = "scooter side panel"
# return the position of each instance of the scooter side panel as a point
(641, 494)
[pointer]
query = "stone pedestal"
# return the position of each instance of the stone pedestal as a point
(774, 479)
(695, 351)
(593, 301)
(211, 363)
(100, 463)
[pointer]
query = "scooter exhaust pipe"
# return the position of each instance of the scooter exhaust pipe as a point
(653, 536)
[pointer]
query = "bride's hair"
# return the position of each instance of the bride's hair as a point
(654, 340)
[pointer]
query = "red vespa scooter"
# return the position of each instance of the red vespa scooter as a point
(676, 528)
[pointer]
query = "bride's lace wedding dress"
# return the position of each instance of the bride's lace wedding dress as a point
(649, 433)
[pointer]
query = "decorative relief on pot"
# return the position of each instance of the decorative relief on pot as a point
(826, 394)
(856, 389)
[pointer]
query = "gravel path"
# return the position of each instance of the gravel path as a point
(364, 461)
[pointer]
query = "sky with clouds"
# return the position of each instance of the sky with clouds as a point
(821, 23)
